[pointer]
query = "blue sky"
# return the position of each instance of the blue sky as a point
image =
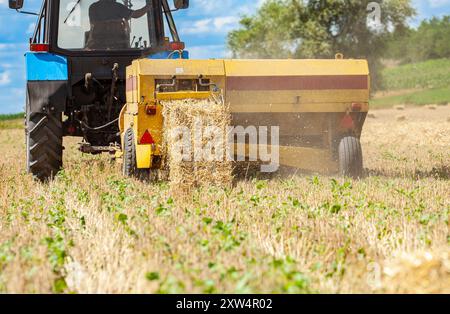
(203, 27)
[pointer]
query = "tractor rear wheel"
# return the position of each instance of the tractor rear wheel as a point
(130, 168)
(350, 157)
(44, 134)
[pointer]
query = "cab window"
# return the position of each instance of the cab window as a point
(102, 25)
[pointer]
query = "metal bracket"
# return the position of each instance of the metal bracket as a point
(87, 148)
(203, 84)
(173, 84)
(27, 12)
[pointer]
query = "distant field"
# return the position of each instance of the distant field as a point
(5, 117)
(440, 96)
(432, 74)
(417, 84)
(11, 121)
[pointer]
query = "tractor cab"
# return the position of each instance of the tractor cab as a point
(76, 68)
(83, 27)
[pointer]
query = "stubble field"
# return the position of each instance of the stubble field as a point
(93, 231)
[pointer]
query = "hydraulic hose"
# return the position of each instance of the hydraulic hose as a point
(99, 127)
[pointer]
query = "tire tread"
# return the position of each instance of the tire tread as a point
(350, 157)
(44, 145)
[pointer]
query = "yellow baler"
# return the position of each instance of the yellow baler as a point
(319, 105)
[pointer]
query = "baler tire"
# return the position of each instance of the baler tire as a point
(351, 158)
(44, 144)
(130, 168)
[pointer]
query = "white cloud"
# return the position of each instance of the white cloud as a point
(222, 24)
(207, 52)
(5, 78)
(6, 65)
(225, 23)
(200, 26)
(211, 7)
(217, 8)
(3, 46)
(7, 47)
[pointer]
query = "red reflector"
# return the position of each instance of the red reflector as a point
(356, 107)
(177, 45)
(347, 122)
(147, 139)
(71, 129)
(39, 47)
(151, 110)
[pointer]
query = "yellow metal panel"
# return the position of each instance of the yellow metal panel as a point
(146, 90)
(131, 94)
(295, 97)
(135, 117)
(181, 67)
(144, 156)
(294, 108)
(154, 124)
(183, 95)
(295, 67)
(297, 101)
(128, 118)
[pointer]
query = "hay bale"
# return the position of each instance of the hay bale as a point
(196, 142)
(423, 272)
(401, 118)
(400, 107)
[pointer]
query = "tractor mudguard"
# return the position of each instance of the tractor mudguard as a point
(47, 82)
(44, 95)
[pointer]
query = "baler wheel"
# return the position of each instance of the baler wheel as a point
(130, 168)
(44, 134)
(351, 158)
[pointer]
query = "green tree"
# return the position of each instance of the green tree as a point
(431, 40)
(319, 29)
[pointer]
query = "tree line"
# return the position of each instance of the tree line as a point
(431, 40)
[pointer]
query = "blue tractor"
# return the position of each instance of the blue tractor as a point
(76, 83)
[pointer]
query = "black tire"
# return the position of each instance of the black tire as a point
(44, 134)
(130, 168)
(350, 158)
